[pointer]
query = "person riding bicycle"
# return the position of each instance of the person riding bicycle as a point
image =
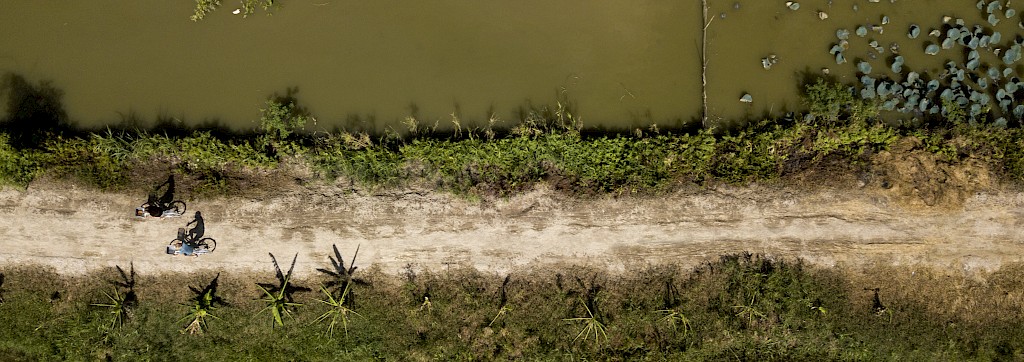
(196, 232)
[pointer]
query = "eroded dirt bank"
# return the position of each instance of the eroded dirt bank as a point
(76, 230)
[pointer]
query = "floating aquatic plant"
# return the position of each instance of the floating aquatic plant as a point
(914, 31)
(993, 6)
(992, 19)
(864, 67)
(747, 98)
(931, 49)
(793, 5)
(862, 31)
(1012, 55)
(842, 34)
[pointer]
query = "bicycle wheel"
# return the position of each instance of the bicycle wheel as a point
(178, 206)
(208, 244)
(176, 240)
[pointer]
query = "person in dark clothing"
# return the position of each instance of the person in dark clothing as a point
(196, 232)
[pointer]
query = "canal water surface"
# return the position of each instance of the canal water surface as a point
(371, 64)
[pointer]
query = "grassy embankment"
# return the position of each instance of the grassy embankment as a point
(740, 307)
(840, 133)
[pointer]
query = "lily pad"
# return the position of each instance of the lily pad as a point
(995, 37)
(747, 98)
(842, 34)
(932, 49)
(1011, 88)
(948, 43)
(980, 4)
(836, 49)
(885, 20)
(840, 59)
(862, 31)
(792, 5)
(983, 83)
(1010, 13)
(933, 85)
(1018, 111)
(913, 77)
(993, 19)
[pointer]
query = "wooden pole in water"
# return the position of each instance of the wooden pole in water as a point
(704, 63)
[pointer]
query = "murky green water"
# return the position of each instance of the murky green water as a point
(371, 64)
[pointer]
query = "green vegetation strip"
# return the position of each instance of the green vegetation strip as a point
(740, 307)
(548, 147)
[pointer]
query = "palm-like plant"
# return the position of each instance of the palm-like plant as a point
(591, 325)
(120, 306)
(749, 311)
(338, 311)
(279, 299)
(117, 306)
(676, 319)
(201, 308)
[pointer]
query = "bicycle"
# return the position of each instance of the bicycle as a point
(201, 246)
(174, 208)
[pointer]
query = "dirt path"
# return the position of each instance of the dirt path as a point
(75, 230)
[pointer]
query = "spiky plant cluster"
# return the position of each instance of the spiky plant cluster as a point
(201, 307)
(279, 298)
(120, 306)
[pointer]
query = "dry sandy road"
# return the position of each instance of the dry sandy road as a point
(76, 230)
